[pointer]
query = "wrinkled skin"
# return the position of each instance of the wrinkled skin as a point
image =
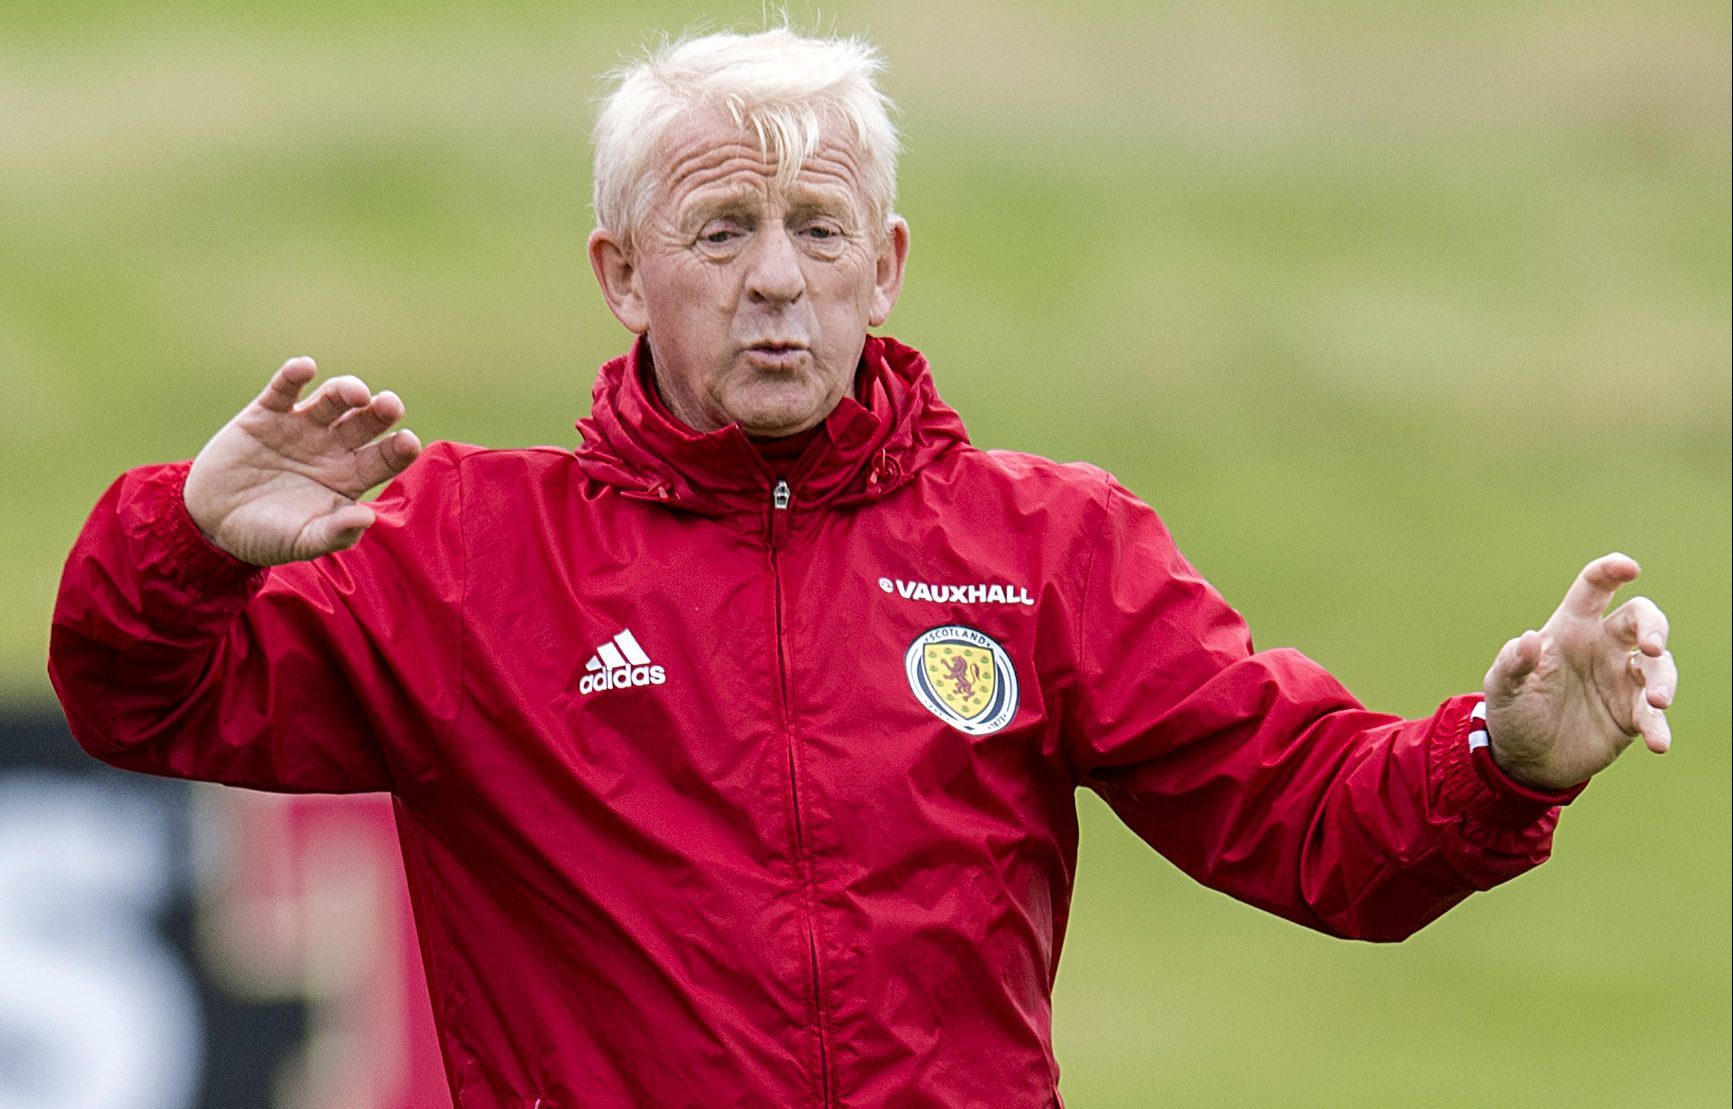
(1564, 702)
(755, 298)
(281, 482)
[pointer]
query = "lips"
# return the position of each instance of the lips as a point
(776, 354)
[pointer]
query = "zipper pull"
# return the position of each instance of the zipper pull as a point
(779, 501)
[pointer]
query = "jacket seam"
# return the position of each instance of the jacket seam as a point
(1089, 567)
(1083, 608)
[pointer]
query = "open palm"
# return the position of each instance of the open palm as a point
(281, 481)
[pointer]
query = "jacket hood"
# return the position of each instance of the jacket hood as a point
(868, 449)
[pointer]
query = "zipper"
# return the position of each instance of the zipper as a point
(780, 498)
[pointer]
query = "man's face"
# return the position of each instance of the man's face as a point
(755, 298)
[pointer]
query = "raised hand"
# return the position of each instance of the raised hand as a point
(280, 482)
(1563, 702)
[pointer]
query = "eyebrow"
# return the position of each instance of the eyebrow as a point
(703, 208)
(746, 202)
(821, 202)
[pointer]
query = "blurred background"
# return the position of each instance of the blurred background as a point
(1398, 313)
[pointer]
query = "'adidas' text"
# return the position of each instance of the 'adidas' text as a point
(619, 664)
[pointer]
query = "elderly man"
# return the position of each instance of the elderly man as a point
(734, 756)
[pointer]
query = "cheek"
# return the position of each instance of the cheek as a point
(678, 274)
(847, 286)
(688, 297)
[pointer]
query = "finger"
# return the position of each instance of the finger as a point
(334, 398)
(1593, 590)
(285, 386)
(363, 425)
(1516, 660)
(1651, 724)
(1639, 623)
(385, 459)
(1659, 678)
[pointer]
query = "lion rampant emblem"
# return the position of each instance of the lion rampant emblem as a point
(964, 677)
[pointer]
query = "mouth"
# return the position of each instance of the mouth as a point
(775, 353)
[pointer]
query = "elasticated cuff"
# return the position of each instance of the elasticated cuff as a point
(1498, 812)
(189, 559)
(1494, 775)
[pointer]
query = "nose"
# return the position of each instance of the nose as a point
(774, 276)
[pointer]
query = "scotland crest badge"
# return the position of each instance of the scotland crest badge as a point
(963, 677)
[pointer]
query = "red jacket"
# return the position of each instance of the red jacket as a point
(713, 796)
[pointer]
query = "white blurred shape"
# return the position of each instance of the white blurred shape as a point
(95, 1013)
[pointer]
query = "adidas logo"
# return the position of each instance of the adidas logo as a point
(619, 664)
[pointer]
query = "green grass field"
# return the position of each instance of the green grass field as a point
(1397, 313)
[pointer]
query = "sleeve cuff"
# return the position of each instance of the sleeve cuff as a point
(187, 557)
(1495, 810)
(1480, 753)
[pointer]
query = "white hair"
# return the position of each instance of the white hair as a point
(779, 85)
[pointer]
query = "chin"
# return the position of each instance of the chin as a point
(776, 428)
(787, 418)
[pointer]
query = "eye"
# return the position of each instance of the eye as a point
(720, 232)
(823, 236)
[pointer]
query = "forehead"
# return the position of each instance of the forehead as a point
(706, 155)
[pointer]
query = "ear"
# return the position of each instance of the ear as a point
(617, 273)
(888, 278)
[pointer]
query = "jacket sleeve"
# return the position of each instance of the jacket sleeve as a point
(1259, 775)
(171, 657)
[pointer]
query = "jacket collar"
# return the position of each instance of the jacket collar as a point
(870, 446)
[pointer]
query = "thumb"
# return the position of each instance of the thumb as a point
(1515, 661)
(337, 530)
